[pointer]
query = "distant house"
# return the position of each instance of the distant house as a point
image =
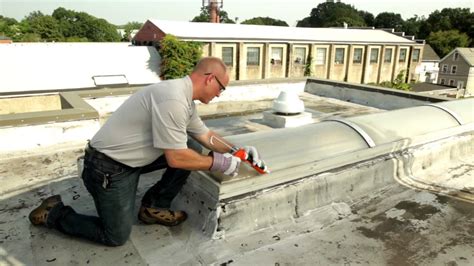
(261, 52)
(428, 70)
(457, 69)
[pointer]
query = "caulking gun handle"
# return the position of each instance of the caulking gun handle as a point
(241, 154)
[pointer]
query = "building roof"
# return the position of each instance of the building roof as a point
(426, 86)
(465, 52)
(231, 32)
(468, 54)
(429, 54)
(28, 67)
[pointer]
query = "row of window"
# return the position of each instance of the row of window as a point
(445, 68)
(451, 82)
(300, 55)
(358, 53)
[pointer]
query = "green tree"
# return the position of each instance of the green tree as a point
(67, 20)
(389, 20)
(368, 17)
(8, 26)
(76, 39)
(204, 16)
(47, 27)
(99, 30)
(460, 19)
(306, 23)
(128, 28)
(412, 25)
(333, 14)
(79, 25)
(444, 42)
(265, 21)
(178, 58)
(29, 37)
(37, 27)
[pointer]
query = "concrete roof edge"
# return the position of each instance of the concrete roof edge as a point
(267, 81)
(366, 87)
(73, 107)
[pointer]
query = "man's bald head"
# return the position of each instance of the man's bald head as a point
(210, 65)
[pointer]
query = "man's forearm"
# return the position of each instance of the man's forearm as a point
(214, 142)
(188, 159)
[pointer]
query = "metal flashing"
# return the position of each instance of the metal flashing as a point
(453, 114)
(370, 142)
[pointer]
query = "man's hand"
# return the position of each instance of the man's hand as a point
(254, 157)
(225, 163)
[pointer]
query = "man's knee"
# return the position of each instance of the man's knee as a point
(117, 238)
(192, 144)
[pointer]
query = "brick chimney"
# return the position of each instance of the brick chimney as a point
(214, 6)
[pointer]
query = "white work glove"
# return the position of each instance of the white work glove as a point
(225, 163)
(254, 157)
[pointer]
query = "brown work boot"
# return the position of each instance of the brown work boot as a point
(161, 216)
(39, 216)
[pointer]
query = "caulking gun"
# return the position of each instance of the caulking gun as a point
(243, 155)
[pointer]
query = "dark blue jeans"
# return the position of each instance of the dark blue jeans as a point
(113, 187)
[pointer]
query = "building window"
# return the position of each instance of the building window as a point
(300, 55)
(277, 55)
(403, 55)
(387, 58)
(228, 56)
(416, 55)
(455, 56)
(460, 84)
(253, 56)
(451, 82)
(339, 58)
(357, 59)
(454, 69)
(374, 55)
(445, 69)
(320, 56)
(442, 82)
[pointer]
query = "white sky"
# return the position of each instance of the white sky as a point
(123, 11)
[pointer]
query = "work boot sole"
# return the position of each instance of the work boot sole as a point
(39, 215)
(164, 217)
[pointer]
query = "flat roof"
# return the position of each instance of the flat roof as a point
(62, 66)
(393, 225)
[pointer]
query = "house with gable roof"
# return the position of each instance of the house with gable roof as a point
(457, 69)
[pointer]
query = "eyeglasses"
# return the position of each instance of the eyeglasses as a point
(222, 87)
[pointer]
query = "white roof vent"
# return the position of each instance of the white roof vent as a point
(288, 102)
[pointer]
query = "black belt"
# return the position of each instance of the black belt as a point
(95, 154)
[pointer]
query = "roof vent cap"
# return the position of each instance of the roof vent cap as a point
(288, 102)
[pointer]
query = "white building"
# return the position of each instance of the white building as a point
(428, 70)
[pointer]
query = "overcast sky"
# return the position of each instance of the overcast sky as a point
(123, 11)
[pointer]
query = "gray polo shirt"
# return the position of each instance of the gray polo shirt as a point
(157, 117)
